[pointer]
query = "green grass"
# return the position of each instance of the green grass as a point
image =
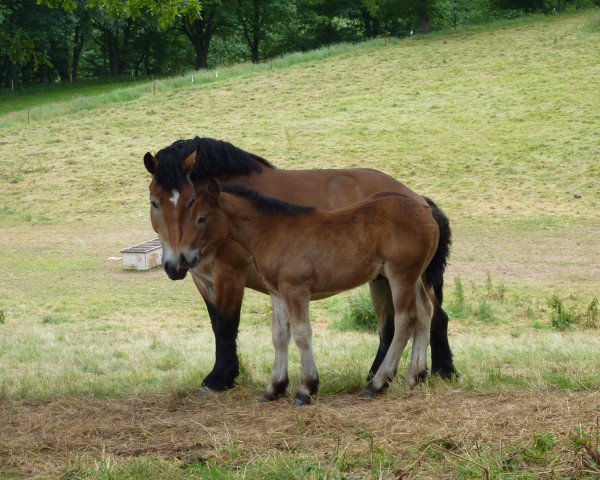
(498, 124)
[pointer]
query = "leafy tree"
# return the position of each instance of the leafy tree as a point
(421, 10)
(216, 16)
(257, 17)
(34, 43)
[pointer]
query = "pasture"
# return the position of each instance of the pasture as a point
(500, 125)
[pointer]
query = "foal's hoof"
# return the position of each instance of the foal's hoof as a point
(205, 392)
(301, 400)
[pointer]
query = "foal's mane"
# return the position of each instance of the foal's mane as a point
(263, 203)
(216, 158)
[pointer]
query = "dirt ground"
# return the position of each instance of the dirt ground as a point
(41, 439)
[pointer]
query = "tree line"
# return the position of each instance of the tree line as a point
(46, 41)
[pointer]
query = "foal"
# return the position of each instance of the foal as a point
(302, 253)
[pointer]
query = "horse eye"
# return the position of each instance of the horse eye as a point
(154, 204)
(202, 220)
(190, 202)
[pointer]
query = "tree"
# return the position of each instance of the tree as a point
(256, 17)
(200, 29)
(420, 10)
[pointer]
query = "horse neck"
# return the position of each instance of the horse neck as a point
(254, 180)
(247, 225)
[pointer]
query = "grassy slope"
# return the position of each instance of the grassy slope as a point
(499, 126)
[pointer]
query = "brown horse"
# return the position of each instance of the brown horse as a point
(301, 253)
(186, 165)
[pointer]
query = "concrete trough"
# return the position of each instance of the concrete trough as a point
(144, 256)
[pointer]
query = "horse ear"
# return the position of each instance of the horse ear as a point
(150, 163)
(213, 192)
(190, 162)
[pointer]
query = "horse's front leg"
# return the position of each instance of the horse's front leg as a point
(281, 339)
(297, 302)
(223, 293)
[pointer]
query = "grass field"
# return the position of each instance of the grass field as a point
(500, 125)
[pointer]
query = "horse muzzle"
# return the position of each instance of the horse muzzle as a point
(175, 271)
(178, 270)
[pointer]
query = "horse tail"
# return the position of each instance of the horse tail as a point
(434, 274)
(441, 355)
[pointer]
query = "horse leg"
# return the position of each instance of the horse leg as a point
(417, 370)
(381, 296)
(406, 318)
(442, 363)
(297, 303)
(280, 331)
(223, 298)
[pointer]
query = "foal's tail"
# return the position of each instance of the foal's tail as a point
(441, 355)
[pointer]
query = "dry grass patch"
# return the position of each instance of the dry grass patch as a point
(416, 430)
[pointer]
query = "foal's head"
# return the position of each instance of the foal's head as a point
(172, 194)
(205, 225)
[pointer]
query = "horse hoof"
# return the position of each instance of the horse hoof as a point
(301, 400)
(206, 392)
(422, 377)
(368, 394)
(268, 398)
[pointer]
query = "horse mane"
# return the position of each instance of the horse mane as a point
(217, 158)
(263, 203)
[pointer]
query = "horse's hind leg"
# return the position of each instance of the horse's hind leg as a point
(381, 295)
(405, 319)
(417, 370)
(280, 330)
(297, 303)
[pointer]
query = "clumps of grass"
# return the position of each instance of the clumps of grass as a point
(495, 291)
(458, 307)
(2, 317)
(358, 316)
(484, 311)
(587, 448)
(563, 318)
(52, 319)
(560, 318)
(591, 318)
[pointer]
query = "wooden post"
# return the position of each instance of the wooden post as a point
(153, 87)
(28, 115)
(12, 85)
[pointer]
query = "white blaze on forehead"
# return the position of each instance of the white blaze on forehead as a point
(174, 198)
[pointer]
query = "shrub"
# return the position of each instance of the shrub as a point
(358, 316)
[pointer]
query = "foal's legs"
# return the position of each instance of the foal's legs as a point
(280, 330)
(405, 319)
(417, 370)
(381, 296)
(297, 303)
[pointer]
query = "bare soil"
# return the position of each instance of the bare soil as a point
(41, 439)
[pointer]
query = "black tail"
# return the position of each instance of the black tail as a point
(441, 355)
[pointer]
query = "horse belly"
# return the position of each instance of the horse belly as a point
(339, 278)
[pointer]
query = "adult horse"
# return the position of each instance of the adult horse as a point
(388, 235)
(181, 168)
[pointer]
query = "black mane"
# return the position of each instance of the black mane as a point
(265, 204)
(217, 158)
